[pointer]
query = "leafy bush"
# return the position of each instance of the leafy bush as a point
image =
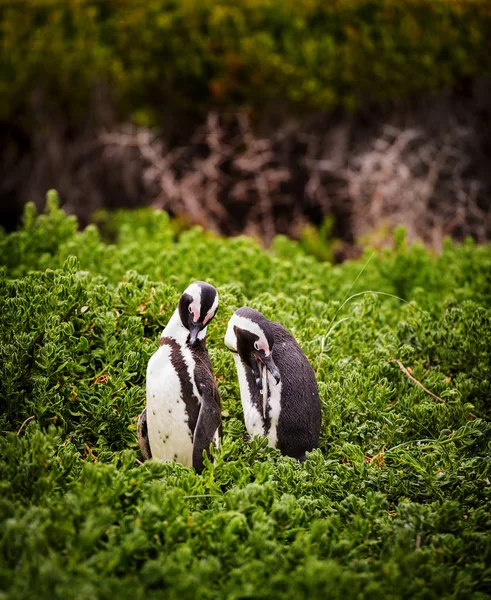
(394, 503)
(159, 56)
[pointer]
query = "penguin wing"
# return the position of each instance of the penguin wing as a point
(142, 434)
(209, 422)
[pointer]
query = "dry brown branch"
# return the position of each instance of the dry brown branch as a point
(378, 458)
(424, 166)
(414, 380)
(25, 423)
(418, 176)
(230, 179)
(266, 208)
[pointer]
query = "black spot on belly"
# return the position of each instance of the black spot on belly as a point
(175, 456)
(170, 410)
(153, 413)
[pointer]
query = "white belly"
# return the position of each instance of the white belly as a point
(167, 420)
(254, 420)
(252, 417)
(275, 408)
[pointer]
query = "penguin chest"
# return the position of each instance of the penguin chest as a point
(169, 432)
(253, 418)
(261, 407)
(274, 409)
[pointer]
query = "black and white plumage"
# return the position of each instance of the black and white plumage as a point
(182, 415)
(278, 387)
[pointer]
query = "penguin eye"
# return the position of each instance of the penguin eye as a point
(190, 308)
(256, 345)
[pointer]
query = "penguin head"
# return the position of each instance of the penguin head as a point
(249, 334)
(197, 307)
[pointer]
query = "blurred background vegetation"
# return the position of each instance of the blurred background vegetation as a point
(263, 116)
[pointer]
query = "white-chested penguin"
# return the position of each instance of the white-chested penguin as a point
(278, 387)
(182, 414)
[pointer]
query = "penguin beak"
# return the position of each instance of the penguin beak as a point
(268, 362)
(194, 329)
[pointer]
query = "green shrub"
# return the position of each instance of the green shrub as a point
(393, 504)
(157, 57)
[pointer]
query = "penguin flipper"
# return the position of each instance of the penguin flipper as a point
(209, 421)
(142, 434)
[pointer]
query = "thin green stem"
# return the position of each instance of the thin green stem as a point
(202, 496)
(104, 370)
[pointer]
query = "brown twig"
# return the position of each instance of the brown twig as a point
(25, 422)
(378, 457)
(231, 178)
(138, 462)
(414, 380)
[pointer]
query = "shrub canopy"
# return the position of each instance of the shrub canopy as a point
(154, 59)
(394, 503)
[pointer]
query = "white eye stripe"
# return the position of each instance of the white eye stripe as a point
(212, 310)
(194, 290)
(230, 338)
(248, 325)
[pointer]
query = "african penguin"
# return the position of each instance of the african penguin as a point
(182, 414)
(278, 387)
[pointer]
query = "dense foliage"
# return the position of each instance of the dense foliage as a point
(154, 57)
(394, 504)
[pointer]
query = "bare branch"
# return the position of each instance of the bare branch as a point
(414, 380)
(25, 423)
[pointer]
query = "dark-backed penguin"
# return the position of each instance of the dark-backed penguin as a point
(182, 414)
(278, 387)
